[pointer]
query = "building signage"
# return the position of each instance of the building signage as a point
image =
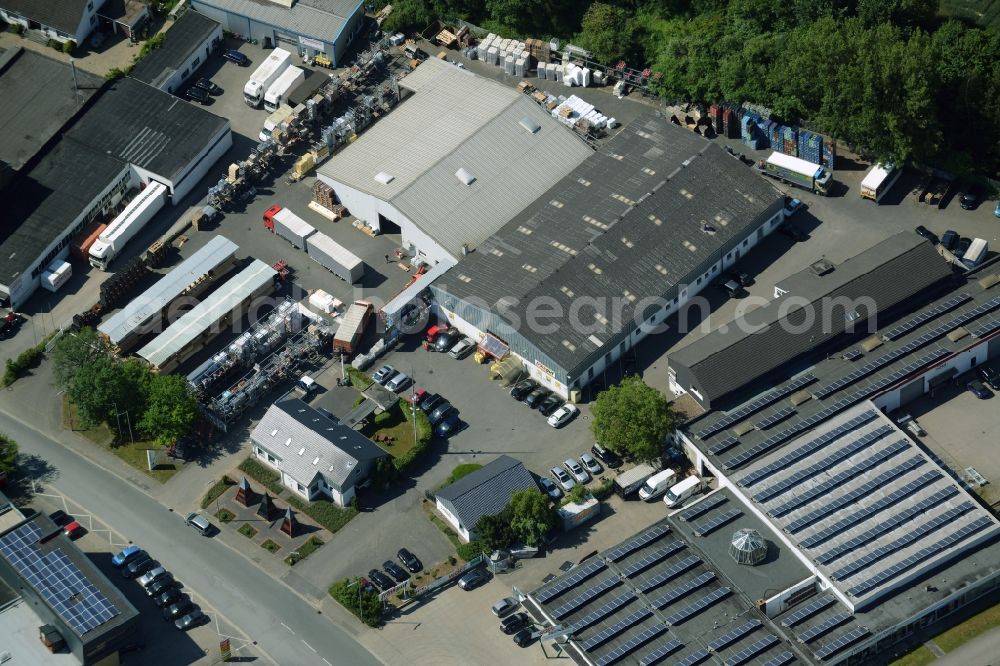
(314, 44)
(544, 368)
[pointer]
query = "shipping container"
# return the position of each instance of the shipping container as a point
(80, 247)
(288, 225)
(352, 327)
(335, 257)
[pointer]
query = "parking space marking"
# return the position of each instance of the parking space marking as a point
(289, 628)
(309, 646)
(327, 663)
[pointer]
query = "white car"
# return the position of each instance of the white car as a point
(549, 488)
(151, 575)
(578, 472)
(563, 415)
(398, 382)
(792, 207)
(384, 374)
(563, 479)
(590, 464)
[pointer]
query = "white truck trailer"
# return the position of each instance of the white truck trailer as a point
(288, 225)
(335, 257)
(129, 222)
(265, 75)
(278, 91)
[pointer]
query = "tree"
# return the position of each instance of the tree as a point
(8, 453)
(606, 32)
(75, 350)
(531, 517)
(171, 411)
(104, 390)
(495, 531)
(632, 419)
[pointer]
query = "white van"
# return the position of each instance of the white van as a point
(680, 492)
(657, 484)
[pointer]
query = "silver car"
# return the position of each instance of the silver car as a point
(578, 472)
(384, 374)
(549, 488)
(151, 575)
(590, 464)
(398, 382)
(563, 479)
(462, 349)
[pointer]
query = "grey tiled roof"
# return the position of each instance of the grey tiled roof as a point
(319, 19)
(63, 15)
(487, 490)
(189, 33)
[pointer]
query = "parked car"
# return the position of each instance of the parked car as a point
(409, 560)
(398, 382)
(563, 415)
(970, 199)
(924, 232)
(447, 339)
(996, 211)
(153, 575)
(792, 232)
(551, 403)
(193, 619)
(549, 488)
(440, 413)
(430, 402)
(609, 458)
(232, 55)
(60, 517)
(74, 530)
(139, 566)
(590, 464)
(514, 623)
(741, 278)
(384, 374)
(563, 479)
(576, 470)
(199, 523)
(208, 86)
(534, 399)
(462, 349)
(448, 426)
(198, 95)
(505, 607)
(127, 554)
(416, 397)
(976, 388)
(171, 595)
(381, 580)
(524, 638)
(960, 248)
(159, 587)
(523, 388)
(792, 206)
(948, 239)
(990, 376)
(177, 609)
(733, 288)
(473, 579)
(396, 571)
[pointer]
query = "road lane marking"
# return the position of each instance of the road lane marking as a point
(289, 629)
(309, 646)
(327, 663)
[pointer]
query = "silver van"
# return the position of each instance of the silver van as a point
(199, 522)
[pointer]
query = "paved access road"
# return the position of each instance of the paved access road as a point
(284, 626)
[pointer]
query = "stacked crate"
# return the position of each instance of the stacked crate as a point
(789, 140)
(324, 195)
(810, 146)
(715, 114)
(730, 122)
(829, 154)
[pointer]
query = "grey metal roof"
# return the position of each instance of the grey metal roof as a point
(29, 82)
(777, 333)
(487, 490)
(627, 223)
(310, 443)
(140, 311)
(210, 311)
(319, 19)
(189, 33)
(63, 15)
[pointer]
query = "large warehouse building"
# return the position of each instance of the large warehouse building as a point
(131, 134)
(306, 27)
(453, 163)
(603, 257)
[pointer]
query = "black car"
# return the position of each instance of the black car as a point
(198, 95)
(409, 560)
(924, 232)
(161, 586)
(177, 609)
(513, 623)
(948, 239)
(431, 402)
(235, 56)
(524, 638)
(990, 376)
(963, 245)
(534, 399)
(447, 339)
(208, 86)
(193, 619)
(382, 581)
(742, 278)
(969, 200)
(523, 388)
(449, 425)
(395, 571)
(609, 458)
(551, 403)
(139, 566)
(440, 413)
(61, 518)
(169, 596)
(792, 232)
(976, 388)
(473, 579)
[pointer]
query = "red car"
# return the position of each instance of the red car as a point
(74, 530)
(417, 397)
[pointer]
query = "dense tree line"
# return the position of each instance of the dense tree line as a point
(892, 78)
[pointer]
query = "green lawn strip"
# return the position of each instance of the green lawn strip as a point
(441, 525)
(327, 514)
(918, 657)
(260, 473)
(216, 491)
(396, 426)
(458, 473)
(311, 545)
(359, 380)
(966, 631)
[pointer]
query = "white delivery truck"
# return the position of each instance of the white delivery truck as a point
(657, 484)
(129, 222)
(265, 75)
(282, 86)
(288, 225)
(630, 480)
(681, 491)
(335, 257)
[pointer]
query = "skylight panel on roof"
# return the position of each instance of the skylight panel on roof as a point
(384, 178)
(530, 125)
(465, 176)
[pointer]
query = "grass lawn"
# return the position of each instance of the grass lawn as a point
(224, 516)
(965, 632)
(305, 550)
(458, 473)
(263, 474)
(270, 546)
(216, 491)
(394, 425)
(324, 512)
(918, 657)
(359, 380)
(102, 436)
(441, 525)
(248, 530)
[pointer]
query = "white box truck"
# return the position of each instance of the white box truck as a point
(265, 75)
(278, 91)
(129, 222)
(335, 257)
(288, 225)
(681, 491)
(657, 484)
(631, 480)
(795, 171)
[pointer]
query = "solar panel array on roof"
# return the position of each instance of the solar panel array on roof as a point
(631, 645)
(60, 582)
(756, 405)
(683, 590)
(653, 558)
(923, 317)
(573, 579)
(703, 506)
(839, 455)
(669, 574)
(785, 657)
(986, 328)
(714, 523)
(824, 627)
(808, 610)
(660, 652)
(751, 651)
(852, 355)
(775, 418)
(723, 445)
(687, 612)
(806, 449)
(606, 634)
(732, 636)
(694, 658)
(588, 595)
(837, 644)
(638, 542)
(602, 612)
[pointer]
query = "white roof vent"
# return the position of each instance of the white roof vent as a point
(530, 125)
(384, 178)
(302, 450)
(316, 460)
(288, 441)
(464, 176)
(274, 432)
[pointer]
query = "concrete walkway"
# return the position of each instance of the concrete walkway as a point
(983, 650)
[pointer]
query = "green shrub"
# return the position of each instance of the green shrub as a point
(327, 514)
(68, 46)
(359, 380)
(29, 358)
(262, 474)
(151, 44)
(216, 491)
(458, 473)
(576, 495)
(424, 433)
(603, 490)
(364, 603)
(470, 551)
(308, 547)
(17, 28)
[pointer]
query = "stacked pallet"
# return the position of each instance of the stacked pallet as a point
(324, 195)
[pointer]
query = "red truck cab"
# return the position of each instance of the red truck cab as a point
(269, 217)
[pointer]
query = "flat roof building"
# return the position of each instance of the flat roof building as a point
(186, 46)
(62, 21)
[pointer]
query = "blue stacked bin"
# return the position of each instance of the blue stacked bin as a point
(810, 146)
(829, 154)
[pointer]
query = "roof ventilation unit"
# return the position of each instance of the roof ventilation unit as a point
(748, 547)
(821, 267)
(464, 176)
(530, 125)
(384, 178)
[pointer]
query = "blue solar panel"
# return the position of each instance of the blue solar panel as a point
(694, 658)
(653, 558)
(774, 418)
(824, 627)
(751, 651)
(631, 645)
(731, 637)
(852, 355)
(689, 611)
(837, 644)
(571, 580)
(669, 574)
(715, 522)
(808, 610)
(723, 445)
(606, 634)
(785, 657)
(683, 590)
(937, 311)
(703, 506)
(987, 327)
(635, 543)
(587, 596)
(607, 609)
(755, 405)
(660, 652)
